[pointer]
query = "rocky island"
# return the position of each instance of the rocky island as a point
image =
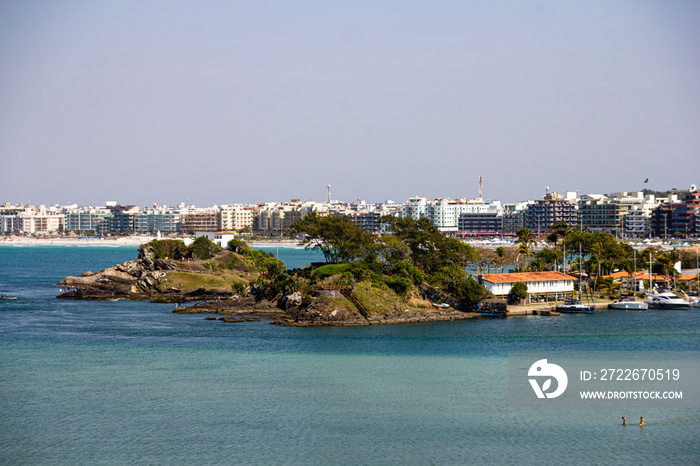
(203, 278)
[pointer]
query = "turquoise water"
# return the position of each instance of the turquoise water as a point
(128, 382)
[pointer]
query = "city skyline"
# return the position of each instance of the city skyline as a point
(246, 103)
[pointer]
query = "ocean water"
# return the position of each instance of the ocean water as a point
(131, 383)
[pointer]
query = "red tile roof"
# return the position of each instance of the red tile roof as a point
(526, 277)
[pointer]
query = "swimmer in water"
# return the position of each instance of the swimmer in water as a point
(624, 421)
(641, 422)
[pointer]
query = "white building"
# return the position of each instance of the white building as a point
(236, 217)
(416, 208)
(33, 221)
(444, 213)
(220, 238)
(542, 287)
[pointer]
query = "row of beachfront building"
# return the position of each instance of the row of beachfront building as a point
(629, 215)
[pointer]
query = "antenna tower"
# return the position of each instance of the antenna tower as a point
(481, 186)
(328, 200)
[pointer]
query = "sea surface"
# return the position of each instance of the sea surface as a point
(88, 382)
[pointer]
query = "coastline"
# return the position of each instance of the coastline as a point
(119, 241)
(76, 241)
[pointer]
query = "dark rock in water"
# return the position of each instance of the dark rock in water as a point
(242, 319)
(210, 318)
(250, 319)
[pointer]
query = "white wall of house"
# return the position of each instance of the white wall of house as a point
(220, 238)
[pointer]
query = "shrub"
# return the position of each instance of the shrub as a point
(238, 287)
(166, 248)
(329, 269)
(406, 270)
(265, 262)
(399, 285)
(237, 245)
(202, 249)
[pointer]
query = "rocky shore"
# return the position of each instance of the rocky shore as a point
(151, 279)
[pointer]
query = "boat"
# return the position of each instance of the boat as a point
(8, 298)
(573, 306)
(496, 315)
(629, 304)
(693, 301)
(666, 300)
(441, 306)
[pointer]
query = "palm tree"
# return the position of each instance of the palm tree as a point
(522, 250)
(667, 260)
(561, 229)
(609, 284)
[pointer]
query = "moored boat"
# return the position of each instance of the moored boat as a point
(628, 304)
(8, 298)
(575, 307)
(666, 300)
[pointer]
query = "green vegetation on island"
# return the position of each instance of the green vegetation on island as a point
(366, 278)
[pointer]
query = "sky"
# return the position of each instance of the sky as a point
(219, 102)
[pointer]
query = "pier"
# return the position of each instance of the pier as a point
(537, 309)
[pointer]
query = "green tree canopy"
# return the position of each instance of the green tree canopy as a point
(430, 250)
(202, 249)
(337, 237)
(518, 291)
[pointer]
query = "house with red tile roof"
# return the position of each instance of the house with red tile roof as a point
(542, 287)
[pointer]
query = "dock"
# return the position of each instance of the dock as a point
(543, 309)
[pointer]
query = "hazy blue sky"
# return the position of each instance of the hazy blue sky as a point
(249, 101)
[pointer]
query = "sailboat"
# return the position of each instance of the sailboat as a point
(631, 304)
(573, 306)
(695, 300)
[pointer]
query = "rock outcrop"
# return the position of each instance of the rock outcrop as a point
(137, 279)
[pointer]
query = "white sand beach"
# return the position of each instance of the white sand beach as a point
(75, 241)
(119, 241)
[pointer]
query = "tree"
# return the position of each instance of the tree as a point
(392, 250)
(608, 283)
(545, 259)
(202, 248)
(518, 292)
(165, 248)
(431, 251)
(337, 237)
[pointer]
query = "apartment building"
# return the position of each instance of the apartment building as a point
(416, 208)
(481, 223)
(237, 217)
(274, 219)
(33, 221)
(87, 219)
(161, 219)
(542, 214)
(198, 220)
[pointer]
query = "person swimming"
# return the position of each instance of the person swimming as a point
(641, 422)
(624, 421)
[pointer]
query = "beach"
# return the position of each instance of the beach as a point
(121, 241)
(76, 241)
